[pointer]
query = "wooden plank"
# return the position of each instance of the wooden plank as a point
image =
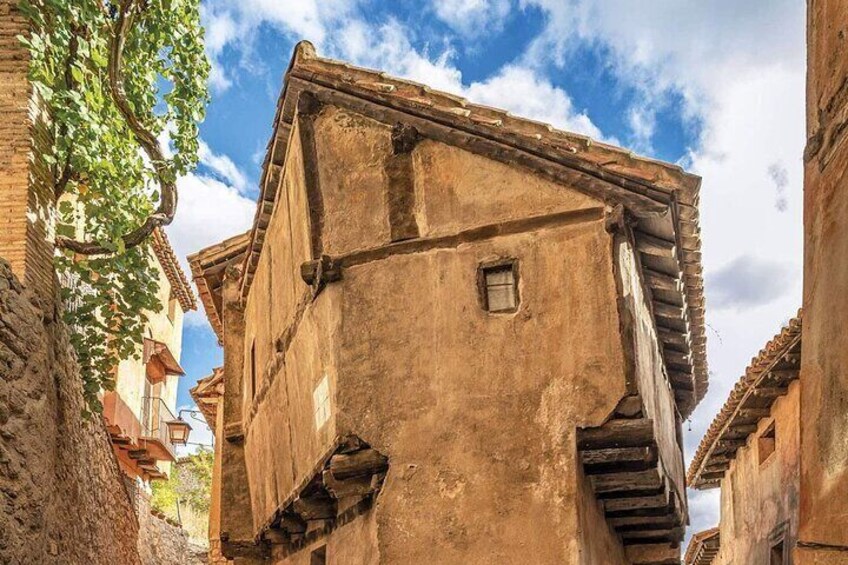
(753, 413)
(655, 501)
(629, 406)
(783, 376)
(730, 444)
(662, 281)
(625, 523)
(618, 459)
(617, 433)
(315, 508)
(673, 337)
(292, 524)
(650, 245)
(677, 358)
(308, 108)
(666, 310)
(361, 463)
(716, 468)
(769, 392)
(634, 481)
(401, 186)
(681, 380)
(740, 431)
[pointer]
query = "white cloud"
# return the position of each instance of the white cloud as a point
(209, 211)
(472, 17)
(746, 282)
(524, 92)
(388, 46)
(223, 166)
(237, 24)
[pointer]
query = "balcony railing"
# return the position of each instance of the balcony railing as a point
(155, 416)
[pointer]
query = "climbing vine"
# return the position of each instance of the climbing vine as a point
(124, 85)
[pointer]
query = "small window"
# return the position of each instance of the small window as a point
(321, 403)
(252, 368)
(766, 443)
(319, 556)
(498, 286)
(776, 554)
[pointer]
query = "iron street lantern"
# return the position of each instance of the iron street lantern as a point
(178, 431)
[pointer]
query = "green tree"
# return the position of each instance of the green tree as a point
(114, 76)
(189, 484)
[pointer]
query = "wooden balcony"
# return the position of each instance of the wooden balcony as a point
(140, 441)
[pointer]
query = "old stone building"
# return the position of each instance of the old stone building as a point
(452, 336)
(703, 547)
(751, 451)
(822, 535)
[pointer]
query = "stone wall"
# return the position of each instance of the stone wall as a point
(163, 543)
(62, 498)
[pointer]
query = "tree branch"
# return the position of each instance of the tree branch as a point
(65, 176)
(164, 213)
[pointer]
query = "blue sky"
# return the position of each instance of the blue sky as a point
(715, 86)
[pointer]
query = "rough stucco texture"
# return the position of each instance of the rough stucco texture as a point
(824, 370)
(759, 501)
(62, 499)
(482, 452)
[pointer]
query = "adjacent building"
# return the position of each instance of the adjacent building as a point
(703, 547)
(822, 536)
(452, 335)
(751, 451)
(140, 413)
(783, 464)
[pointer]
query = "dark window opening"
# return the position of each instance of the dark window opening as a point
(319, 556)
(767, 443)
(253, 369)
(776, 555)
(498, 286)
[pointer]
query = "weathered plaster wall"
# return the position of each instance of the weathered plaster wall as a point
(653, 384)
(482, 407)
(824, 370)
(62, 497)
(759, 500)
(476, 411)
(355, 542)
(132, 372)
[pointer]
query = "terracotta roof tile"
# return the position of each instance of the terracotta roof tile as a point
(775, 366)
(703, 547)
(207, 269)
(180, 288)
